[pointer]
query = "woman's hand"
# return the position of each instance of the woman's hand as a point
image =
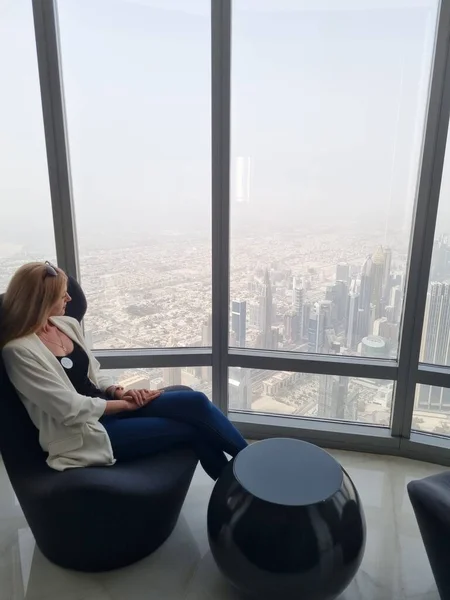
(136, 399)
(115, 392)
(130, 400)
(138, 396)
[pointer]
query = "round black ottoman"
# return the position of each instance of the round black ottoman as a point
(285, 521)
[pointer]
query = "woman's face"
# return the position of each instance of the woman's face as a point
(59, 308)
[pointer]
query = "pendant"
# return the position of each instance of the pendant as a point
(66, 362)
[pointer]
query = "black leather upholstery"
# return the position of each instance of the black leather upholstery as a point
(430, 498)
(97, 518)
(77, 307)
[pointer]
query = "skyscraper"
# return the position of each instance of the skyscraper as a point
(365, 297)
(341, 300)
(239, 321)
(395, 300)
(343, 272)
(330, 294)
(377, 275)
(319, 321)
(389, 311)
(172, 376)
(291, 326)
(315, 332)
(306, 315)
(386, 330)
(337, 293)
(298, 297)
(436, 346)
(387, 273)
(374, 346)
(275, 338)
(254, 314)
(440, 264)
(266, 306)
(352, 320)
(326, 311)
(379, 327)
(239, 388)
(207, 332)
(335, 400)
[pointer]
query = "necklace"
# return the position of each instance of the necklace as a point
(61, 344)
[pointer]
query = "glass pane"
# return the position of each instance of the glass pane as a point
(198, 378)
(436, 326)
(328, 108)
(137, 88)
(432, 410)
(306, 395)
(26, 224)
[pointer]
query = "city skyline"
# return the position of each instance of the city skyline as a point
(270, 304)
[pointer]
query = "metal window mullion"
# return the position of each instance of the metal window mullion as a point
(53, 109)
(220, 144)
(330, 434)
(433, 152)
(309, 363)
(434, 375)
(154, 358)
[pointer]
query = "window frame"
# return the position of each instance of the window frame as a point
(406, 370)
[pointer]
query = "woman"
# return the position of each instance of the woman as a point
(83, 418)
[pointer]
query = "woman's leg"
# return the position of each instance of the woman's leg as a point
(133, 438)
(195, 409)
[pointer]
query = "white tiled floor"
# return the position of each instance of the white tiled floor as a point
(395, 566)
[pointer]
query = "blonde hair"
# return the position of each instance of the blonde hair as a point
(29, 299)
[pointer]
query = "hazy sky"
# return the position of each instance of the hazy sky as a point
(328, 101)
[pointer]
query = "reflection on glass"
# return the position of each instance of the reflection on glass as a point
(26, 224)
(305, 395)
(432, 410)
(328, 109)
(436, 327)
(137, 88)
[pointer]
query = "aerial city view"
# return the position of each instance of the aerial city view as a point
(312, 297)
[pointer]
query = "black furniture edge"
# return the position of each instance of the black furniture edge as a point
(430, 499)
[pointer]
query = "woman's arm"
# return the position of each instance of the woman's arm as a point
(116, 406)
(129, 402)
(44, 388)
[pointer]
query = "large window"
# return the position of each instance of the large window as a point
(137, 88)
(309, 136)
(432, 403)
(432, 410)
(435, 347)
(312, 396)
(328, 109)
(26, 225)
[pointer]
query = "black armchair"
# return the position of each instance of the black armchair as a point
(430, 498)
(96, 518)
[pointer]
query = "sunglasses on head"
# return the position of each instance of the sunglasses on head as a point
(50, 270)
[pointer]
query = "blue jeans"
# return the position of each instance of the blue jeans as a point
(175, 418)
